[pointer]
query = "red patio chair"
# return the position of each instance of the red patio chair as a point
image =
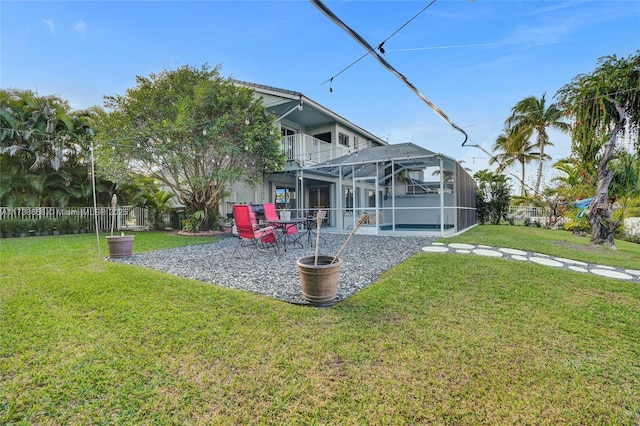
(271, 215)
(250, 233)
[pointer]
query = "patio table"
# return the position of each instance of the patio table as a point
(284, 226)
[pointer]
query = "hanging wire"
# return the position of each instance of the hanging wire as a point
(380, 48)
(328, 13)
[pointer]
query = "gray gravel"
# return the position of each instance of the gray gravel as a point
(364, 259)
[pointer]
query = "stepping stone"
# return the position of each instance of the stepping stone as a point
(462, 246)
(546, 261)
(611, 274)
(436, 249)
(484, 252)
(570, 261)
(513, 251)
(632, 272)
(438, 244)
(606, 267)
(484, 247)
(518, 257)
(578, 269)
(463, 251)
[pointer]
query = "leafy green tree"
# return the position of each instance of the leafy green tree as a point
(513, 146)
(44, 149)
(576, 181)
(625, 186)
(493, 196)
(532, 114)
(604, 104)
(192, 130)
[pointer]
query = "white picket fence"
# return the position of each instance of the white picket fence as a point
(126, 217)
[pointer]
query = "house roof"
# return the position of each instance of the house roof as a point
(312, 113)
(407, 156)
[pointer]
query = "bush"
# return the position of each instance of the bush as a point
(9, 226)
(63, 224)
(23, 226)
(44, 224)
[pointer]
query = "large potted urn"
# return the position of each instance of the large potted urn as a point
(119, 245)
(319, 274)
(319, 278)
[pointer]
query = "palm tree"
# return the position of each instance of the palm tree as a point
(514, 146)
(532, 114)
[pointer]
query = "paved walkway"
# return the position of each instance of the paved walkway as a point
(542, 259)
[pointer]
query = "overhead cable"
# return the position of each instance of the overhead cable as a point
(328, 13)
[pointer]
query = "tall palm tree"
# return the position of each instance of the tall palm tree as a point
(533, 114)
(514, 146)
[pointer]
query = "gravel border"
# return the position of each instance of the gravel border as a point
(364, 259)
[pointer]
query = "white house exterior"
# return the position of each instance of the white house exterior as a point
(335, 165)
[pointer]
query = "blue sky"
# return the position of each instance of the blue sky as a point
(473, 59)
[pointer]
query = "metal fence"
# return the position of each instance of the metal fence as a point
(126, 217)
(529, 214)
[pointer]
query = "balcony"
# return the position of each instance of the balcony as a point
(305, 150)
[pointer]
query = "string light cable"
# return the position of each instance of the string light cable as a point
(329, 14)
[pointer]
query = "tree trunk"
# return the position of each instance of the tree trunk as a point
(522, 190)
(542, 140)
(603, 228)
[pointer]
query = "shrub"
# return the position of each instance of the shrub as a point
(9, 226)
(43, 224)
(23, 226)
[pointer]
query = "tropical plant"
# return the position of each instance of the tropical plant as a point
(533, 115)
(514, 146)
(493, 197)
(192, 130)
(605, 104)
(194, 221)
(44, 148)
(159, 204)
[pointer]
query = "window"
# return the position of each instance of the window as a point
(356, 145)
(343, 139)
(325, 137)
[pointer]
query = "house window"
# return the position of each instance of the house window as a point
(343, 139)
(325, 137)
(356, 145)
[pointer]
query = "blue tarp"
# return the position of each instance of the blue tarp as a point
(583, 205)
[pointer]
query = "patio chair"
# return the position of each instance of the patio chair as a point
(289, 229)
(271, 215)
(251, 234)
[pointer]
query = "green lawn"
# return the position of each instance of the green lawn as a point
(440, 339)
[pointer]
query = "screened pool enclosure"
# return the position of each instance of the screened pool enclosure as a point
(403, 188)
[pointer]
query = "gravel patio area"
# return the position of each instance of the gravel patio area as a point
(364, 259)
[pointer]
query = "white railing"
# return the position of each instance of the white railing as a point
(126, 217)
(305, 149)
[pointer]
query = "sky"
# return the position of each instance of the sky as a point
(473, 59)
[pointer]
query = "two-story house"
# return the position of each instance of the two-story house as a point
(339, 167)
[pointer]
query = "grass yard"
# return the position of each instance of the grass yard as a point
(440, 339)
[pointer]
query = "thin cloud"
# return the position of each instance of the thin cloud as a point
(539, 35)
(80, 27)
(50, 23)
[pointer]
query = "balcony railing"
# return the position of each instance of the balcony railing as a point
(307, 150)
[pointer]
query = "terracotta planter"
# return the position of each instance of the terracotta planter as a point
(319, 282)
(120, 246)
